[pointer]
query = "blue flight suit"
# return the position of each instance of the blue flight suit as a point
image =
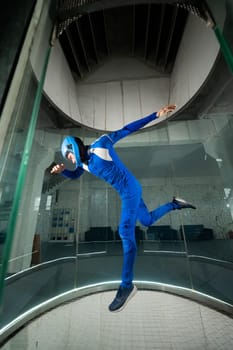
(104, 163)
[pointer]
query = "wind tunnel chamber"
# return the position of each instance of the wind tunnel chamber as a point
(108, 66)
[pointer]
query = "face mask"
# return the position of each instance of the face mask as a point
(69, 145)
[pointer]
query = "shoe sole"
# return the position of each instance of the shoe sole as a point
(134, 291)
(183, 202)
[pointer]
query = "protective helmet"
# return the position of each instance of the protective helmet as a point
(69, 145)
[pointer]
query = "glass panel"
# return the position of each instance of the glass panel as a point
(11, 40)
(164, 255)
(210, 247)
(218, 10)
(21, 179)
(13, 147)
(36, 285)
(222, 12)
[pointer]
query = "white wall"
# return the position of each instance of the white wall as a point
(60, 86)
(124, 89)
(196, 56)
(109, 102)
(113, 101)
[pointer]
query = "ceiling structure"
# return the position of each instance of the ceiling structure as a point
(68, 11)
(92, 31)
(89, 31)
(149, 32)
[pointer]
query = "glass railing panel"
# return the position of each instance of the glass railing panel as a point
(164, 267)
(206, 177)
(210, 273)
(167, 246)
(212, 277)
(36, 285)
(98, 268)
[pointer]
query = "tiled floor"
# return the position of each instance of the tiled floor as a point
(151, 320)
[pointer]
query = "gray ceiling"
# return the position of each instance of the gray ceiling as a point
(150, 32)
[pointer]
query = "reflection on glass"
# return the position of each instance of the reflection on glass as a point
(13, 148)
(25, 250)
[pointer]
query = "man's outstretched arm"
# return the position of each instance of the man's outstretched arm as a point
(140, 123)
(60, 169)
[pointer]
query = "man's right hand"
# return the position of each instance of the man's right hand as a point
(166, 109)
(57, 169)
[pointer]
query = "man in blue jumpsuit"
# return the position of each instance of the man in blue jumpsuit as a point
(101, 160)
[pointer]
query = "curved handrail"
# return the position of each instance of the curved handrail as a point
(50, 279)
(75, 293)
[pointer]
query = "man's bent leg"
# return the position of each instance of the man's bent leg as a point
(148, 218)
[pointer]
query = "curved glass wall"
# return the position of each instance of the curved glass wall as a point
(66, 234)
(75, 240)
(18, 122)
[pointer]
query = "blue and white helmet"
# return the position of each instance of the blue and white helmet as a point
(69, 145)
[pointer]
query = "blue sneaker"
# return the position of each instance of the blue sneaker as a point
(122, 297)
(182, 204)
